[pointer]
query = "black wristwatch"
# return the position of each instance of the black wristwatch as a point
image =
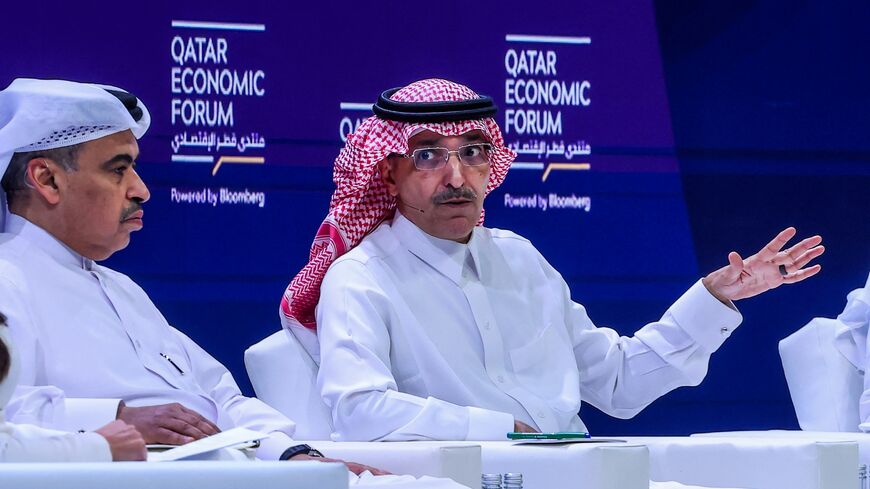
(300, 450)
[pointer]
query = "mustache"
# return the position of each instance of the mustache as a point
(134, 207)
(454, 193)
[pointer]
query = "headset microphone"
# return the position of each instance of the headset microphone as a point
(412, 207)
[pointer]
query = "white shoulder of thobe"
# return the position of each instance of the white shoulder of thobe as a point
(852, 325)
(421, 339)
(31, 261)
(850, 339)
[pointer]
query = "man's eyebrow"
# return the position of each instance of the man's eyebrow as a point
(120, 158)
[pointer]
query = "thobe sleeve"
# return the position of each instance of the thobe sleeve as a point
(44, 405)
(621, 375)
(355, 377)
(28, 443)
(246, 412)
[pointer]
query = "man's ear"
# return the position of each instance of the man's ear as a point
(42, 174)
(386, 167)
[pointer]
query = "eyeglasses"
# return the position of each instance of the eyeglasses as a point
(475, 154)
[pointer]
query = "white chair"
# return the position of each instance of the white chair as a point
(825, 387)
(284, 376)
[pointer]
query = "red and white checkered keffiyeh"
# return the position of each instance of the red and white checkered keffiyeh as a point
(361, 200)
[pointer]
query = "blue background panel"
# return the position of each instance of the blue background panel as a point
(713, 125)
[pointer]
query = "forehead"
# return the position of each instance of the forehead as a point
(430, 138)
(107, 147)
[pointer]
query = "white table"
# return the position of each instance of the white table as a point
(459, 461)
(862, 439)
(163, 475)
(580, 465)
(753, 462)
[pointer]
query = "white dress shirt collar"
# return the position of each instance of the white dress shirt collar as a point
(42, 239)
(446, 256)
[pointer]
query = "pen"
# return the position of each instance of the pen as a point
(561, 435)
(173, 363)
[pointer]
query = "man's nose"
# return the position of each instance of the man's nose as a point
(455, 177)
(138, 190)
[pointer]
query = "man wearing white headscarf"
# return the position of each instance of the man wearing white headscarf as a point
(429, 325)
(93, 346)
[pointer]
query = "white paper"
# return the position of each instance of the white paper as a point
(224, 439)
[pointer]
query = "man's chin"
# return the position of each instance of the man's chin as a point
(122, 242)
(457, 229)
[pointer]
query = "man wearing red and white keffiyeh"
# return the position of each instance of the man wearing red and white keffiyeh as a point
(428, 325)
(362, 201)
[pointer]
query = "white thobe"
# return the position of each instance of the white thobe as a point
(423, 338)
(851, 339)
(27, 443)
(89, 338)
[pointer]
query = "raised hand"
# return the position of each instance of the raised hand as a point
(765, 270)
(125, 442)
(172, 424)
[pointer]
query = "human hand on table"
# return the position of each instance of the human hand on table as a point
(172, 424)
(125, 441)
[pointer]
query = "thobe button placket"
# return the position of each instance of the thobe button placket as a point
(500, 379)
(149, 359)
(108, 293)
